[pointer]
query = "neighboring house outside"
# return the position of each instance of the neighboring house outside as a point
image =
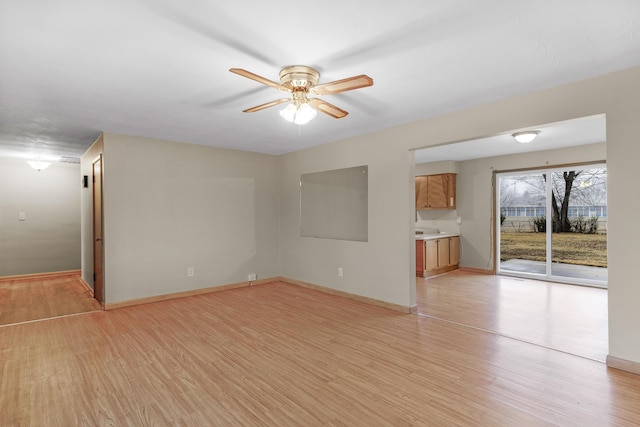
(519, 219)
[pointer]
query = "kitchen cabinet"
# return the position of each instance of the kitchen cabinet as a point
(437, 255)
(436, 191)
(420, 260)
(454, 251)
(431, 259)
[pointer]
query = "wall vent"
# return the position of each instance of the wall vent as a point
(68, 159)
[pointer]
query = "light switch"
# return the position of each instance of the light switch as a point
(22, 216)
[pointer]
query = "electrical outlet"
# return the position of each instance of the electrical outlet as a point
(252, 277)
(340, 272)
(190, 272)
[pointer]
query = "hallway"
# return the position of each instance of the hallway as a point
(24, 300)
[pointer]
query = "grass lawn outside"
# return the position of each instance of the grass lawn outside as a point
(568, 248)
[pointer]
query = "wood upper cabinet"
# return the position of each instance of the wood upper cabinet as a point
(436, 191)
(421, 192)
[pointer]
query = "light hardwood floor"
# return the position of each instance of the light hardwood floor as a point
(563, 317)
(23, 300)
(280, 355)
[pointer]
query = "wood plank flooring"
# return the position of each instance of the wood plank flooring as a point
(23, 300)
(563, 317)
(282, 355)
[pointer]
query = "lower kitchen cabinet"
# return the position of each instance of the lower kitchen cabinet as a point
(437, 256)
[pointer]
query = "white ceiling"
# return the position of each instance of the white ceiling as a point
(583, 131)
(71, 69)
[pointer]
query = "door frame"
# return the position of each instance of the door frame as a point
(548, 276)
(98, 231)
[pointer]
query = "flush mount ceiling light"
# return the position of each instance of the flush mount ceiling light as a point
(38, 164)
(301, 81)
(526, 136)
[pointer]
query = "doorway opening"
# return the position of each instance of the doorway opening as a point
(98, 256)
(551, 224)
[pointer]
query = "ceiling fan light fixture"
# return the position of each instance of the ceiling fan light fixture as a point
(299, 114)
(288, 113)
(301, 81)
(526, 136)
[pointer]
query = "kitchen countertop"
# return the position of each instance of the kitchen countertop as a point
(440, 235)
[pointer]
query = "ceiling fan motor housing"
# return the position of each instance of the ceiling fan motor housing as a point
(299, 77)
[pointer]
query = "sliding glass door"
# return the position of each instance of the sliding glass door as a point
(522, 242)
(552, 224)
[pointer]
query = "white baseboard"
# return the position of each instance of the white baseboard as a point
(623, 364)
(354, 297)
(47, 275)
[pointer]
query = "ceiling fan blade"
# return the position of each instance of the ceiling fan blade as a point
(267, 105)
(259, 79)
(327, 108)
(343, 85)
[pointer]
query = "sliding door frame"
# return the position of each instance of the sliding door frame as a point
(548, 276)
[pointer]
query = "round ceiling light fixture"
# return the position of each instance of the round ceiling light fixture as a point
(525, 137)
(38, 164)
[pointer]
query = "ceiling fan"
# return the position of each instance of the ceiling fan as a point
(301, 81)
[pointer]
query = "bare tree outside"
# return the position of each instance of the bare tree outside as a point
(560, 196)
(586, 187)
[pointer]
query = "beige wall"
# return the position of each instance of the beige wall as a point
(169, 206)
(383, 268)
(49, 239)
(377, 268)
(432, 168)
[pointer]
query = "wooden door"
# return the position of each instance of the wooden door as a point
(98, 258)
(421, 192)
(437, 193)
(419, 258)
(443, 252)
(431, 254)
(451, 190)
(454, 251)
